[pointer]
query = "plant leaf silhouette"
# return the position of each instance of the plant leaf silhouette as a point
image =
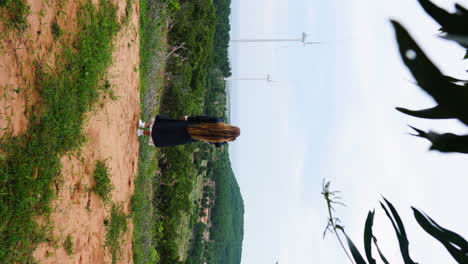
(382, 257)
(399, 230)
(456, 245)
(450, 97)
(452, 24)
(354, 251)
(446, 142)
(368, 237)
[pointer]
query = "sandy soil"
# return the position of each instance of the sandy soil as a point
(17, 54)
(79, 212)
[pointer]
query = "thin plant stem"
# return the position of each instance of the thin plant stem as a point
(328, 195)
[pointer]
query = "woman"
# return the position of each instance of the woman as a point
(167, 132)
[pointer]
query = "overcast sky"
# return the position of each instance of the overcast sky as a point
(331, 115)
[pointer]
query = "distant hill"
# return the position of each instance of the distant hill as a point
(227, 231)
(220, 241)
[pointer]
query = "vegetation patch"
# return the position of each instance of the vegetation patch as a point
(167, 182)
(227, 231)
(56, 30)
(128, 12)
(14, 13)
(116, 226)
(148, 226)
(68, 245)
(455, 244)
(32, 162)
(104, 185)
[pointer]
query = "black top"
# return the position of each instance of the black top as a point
(171, 132)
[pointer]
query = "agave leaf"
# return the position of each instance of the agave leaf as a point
(438, 14)
(455, 244)
(368, 237)
(354, 251)
(460, 10)
(382, 257)
(425, 72)
(453, 24)
(399, 230)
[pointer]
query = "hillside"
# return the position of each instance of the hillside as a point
(227, 229)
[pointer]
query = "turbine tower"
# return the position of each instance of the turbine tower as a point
(302, 39)
(267, 78)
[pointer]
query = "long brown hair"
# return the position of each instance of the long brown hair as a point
(213, 132)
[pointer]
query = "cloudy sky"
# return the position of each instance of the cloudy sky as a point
(331, 115)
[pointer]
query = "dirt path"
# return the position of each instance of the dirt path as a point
(79, 212)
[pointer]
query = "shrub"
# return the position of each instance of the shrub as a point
(104, 185)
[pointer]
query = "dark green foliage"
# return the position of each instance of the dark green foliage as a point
(104, 185)
(354, 251)
(194, 28)
(456, 245)
(195, 256)
(56, 30)
(399, 230)
(173, 5)
(116, 226)
(179, 176)
(368, 236)
(454, 24)
(382, 257)
(222, 37)
(13, 14)
(216, 95)
(32, 162)
(227, 231)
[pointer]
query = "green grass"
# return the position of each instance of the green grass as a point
(32, 164)
(104, 185)
(13, 14)
(68, 245)
(148, 227)
(116, 227)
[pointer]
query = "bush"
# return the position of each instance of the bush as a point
(104, 185)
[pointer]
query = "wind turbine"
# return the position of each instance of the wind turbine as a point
(302, 39)
(268, 78)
